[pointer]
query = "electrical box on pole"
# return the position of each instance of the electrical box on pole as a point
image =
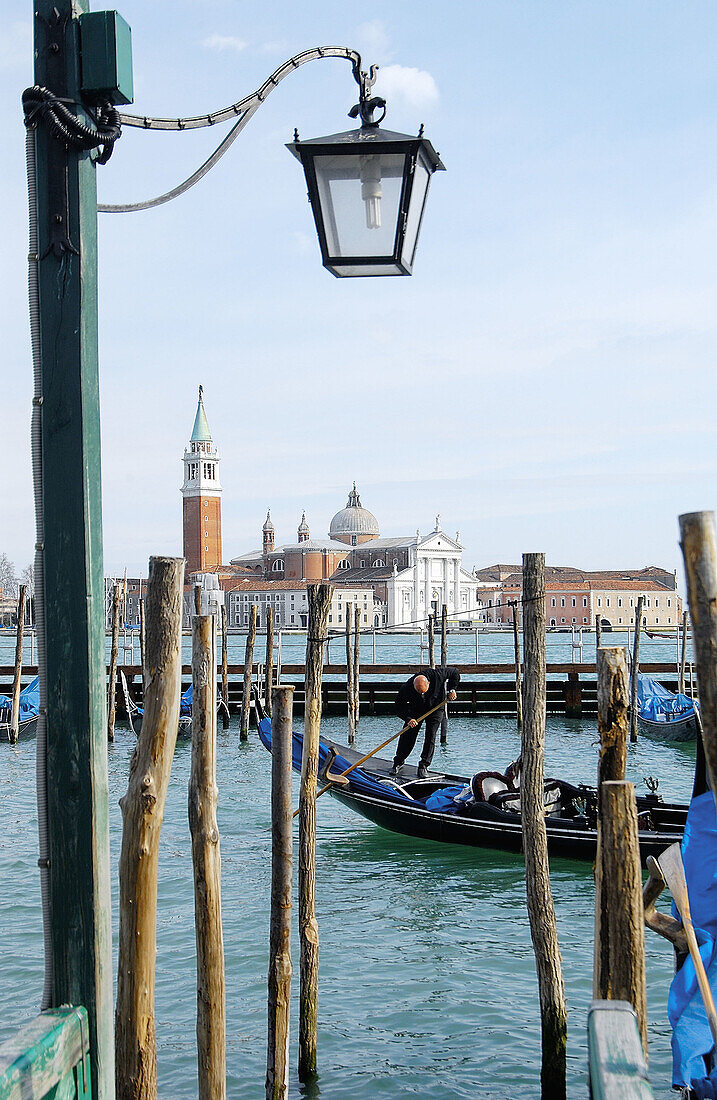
(106, 57)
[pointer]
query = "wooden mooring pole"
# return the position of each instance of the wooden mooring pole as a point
(197, 599)
(112, 680)
(319, 597)
(269, 662)
(619, 892)
(279, 980)
(431, 641)
(543, 927)
(613, 698)
(635, 668)
(142, 640)
(206, 859)
(248, 666)
(17, 674)
(225, 672)
(518, 685)
(598, 632)
(444, 662)
(683, 655)
(357, 668)
(142, 813)
(699, 549)
(350, 670)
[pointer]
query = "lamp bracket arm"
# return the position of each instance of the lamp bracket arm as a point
(251, 102)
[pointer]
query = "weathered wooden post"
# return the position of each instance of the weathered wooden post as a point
(619, 892)
(142, 635)
(350, 670)
(269, 663)
(613, 699)
(112, 682)
(683, 655)
(431, 642)
(277, 1062)
(248, 666)
(699, 549)
(444, 662)
(197, 599)
(17, 676)
(225, 672)
(543, 927)
(357, 668)
(598, 632)
(142, 813)
(635, 668)
(518, 686)
(206, 859)
(319, 596)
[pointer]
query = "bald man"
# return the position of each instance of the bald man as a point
(419, 694)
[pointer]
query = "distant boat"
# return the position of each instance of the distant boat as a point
(664, 715)
(28, 714)
(135, 713)
(483, 812)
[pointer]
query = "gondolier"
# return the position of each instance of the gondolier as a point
(419, 694)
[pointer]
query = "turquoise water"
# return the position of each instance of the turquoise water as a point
(494, 647)
(428, 981)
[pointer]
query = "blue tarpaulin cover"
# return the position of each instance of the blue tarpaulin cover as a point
(29, 701)
(360, 780)
(657, 704)
(691, 1035)
(185, 704)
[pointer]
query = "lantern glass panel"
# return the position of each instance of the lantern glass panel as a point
(360, 197)
(421, 179)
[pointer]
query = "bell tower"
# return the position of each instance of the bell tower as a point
(201, 498)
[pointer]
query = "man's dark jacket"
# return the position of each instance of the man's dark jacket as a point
(411, 704)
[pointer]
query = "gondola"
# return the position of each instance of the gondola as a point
(482, 811)
(28, 713)
(135, 713)
(663, 715)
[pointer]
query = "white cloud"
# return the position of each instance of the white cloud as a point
(415, 87)
(224, 42)
(374, 42)
(15, 46)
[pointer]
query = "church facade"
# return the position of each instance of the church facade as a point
(410, 576)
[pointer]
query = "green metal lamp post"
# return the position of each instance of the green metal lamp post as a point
(76, 863)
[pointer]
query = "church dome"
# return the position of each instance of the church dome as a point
(354, 520)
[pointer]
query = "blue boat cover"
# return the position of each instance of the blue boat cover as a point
(691, 1035)
(657, 704)
(185, 704)
(360, 780)
(29, 701)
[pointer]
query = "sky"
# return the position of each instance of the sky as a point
(546, 378)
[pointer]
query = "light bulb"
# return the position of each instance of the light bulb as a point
(371, 191)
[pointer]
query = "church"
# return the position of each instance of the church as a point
(410, 576)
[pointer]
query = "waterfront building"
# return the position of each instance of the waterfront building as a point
(410, 576)
(201, 499)
(575, 597)
(291, 608)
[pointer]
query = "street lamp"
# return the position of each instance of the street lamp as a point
(368, 190)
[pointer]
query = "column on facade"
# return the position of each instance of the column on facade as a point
(415, 588)
(446, 585)
(427, 568)
(456, 583)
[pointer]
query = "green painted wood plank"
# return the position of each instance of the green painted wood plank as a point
(47, 1058)
(617, 1062)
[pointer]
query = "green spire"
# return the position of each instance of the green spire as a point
(200, 431)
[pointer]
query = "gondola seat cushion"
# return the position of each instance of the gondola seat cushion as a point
(510, 800)
(485, 784)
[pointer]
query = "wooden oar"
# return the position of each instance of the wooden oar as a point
(443, 703)
(673, 869)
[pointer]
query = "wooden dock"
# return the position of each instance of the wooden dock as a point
(484, 689)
